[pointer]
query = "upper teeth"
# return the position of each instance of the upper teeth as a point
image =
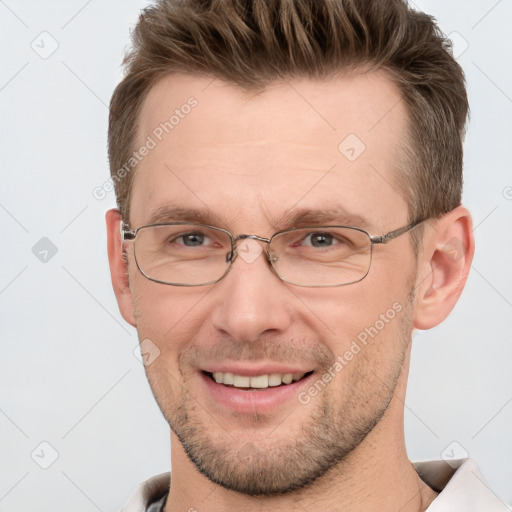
(258, 381)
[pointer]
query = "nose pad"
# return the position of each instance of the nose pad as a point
(271, 257)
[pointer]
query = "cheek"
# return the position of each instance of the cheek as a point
(369, 363)
(166, 315)
(366, 324)
(343, 313)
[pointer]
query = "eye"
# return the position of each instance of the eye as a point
(192, 239)
(320, 240)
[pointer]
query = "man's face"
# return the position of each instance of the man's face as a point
(248, 162)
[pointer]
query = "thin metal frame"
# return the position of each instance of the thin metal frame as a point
(128, 234)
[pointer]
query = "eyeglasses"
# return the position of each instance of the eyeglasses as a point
(183, 254)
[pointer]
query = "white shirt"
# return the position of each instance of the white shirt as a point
(460, 484)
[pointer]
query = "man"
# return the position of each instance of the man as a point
(288, 176)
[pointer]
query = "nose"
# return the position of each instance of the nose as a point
(251, 299)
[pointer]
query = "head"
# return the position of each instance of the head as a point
(262, 116)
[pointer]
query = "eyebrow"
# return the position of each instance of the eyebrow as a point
(169, 213)
(337, 215)
(294, 218)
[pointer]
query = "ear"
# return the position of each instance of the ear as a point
(443, 266)
(118, 266)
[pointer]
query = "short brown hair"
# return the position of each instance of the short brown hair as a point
(251, 43)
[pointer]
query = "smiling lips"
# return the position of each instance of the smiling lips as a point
(249, 388)
(257, 381)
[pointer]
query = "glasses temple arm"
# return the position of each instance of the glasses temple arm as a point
(384, 239)
(125, 232)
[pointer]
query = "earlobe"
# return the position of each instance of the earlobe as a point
(118, 267)
(445, 263)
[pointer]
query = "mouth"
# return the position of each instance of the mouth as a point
(248, 387)
(256, 382)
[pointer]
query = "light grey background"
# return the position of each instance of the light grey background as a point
(68, 373)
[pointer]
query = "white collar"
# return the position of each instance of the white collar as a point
(461, 487)
(460, 484)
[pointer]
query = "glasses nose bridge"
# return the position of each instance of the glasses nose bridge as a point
(234, 244)
(250, 237)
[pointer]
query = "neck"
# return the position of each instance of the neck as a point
(356, 485)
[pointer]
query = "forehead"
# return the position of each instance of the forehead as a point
(255, 155)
